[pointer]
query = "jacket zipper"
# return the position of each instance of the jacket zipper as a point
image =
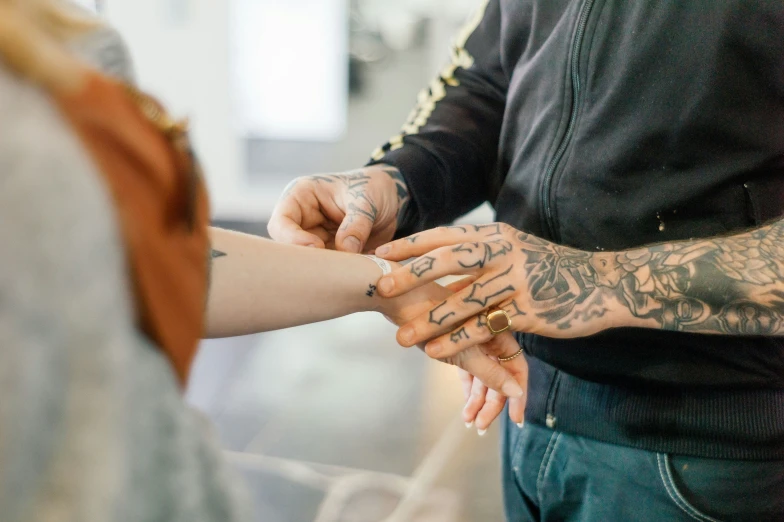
(559, 153)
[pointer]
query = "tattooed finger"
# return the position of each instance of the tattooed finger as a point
(465, 258)
(465, 336)
(464, 305)
(425, 242)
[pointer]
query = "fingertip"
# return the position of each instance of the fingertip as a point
(350, 244)
(434, 349)
(405, 336)
(386, 286)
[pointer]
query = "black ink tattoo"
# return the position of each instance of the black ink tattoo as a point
(216, 254)
(412, 239)
(481, 320)
(728, 285)
(482, 293)
(322, 179)
(513, 310)
(422, 266)
(482, 253)
(371, 291)
(437, 317)
(490, 230)
(400, 184)
(457, 336)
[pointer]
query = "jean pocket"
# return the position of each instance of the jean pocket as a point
(677, 491)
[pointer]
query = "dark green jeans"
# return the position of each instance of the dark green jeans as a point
(552, 476)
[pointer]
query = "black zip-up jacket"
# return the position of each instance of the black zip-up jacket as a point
(605, 125)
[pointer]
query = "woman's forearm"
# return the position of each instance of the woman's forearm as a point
(259, 285)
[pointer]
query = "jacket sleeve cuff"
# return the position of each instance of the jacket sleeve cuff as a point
(425, 207)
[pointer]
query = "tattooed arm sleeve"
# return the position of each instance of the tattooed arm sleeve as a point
(725, 285)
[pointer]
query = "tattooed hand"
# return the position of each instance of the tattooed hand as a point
(731, 285)
(544, 288)
(353, 211)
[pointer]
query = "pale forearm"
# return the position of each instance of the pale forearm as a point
(259, 285)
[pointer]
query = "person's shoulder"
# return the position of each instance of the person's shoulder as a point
(42, 160)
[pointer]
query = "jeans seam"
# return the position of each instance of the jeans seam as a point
(665, 472)
(516, 449)
(545, 465)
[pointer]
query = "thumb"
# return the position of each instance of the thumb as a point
(356, 226)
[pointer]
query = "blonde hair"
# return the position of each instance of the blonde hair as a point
(33, 34)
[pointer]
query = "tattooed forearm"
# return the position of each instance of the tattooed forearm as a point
(728, 285)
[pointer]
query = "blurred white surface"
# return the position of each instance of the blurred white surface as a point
(291, 68)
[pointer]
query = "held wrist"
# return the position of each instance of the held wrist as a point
(375, 302)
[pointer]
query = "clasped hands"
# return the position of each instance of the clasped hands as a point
(505, 269)
(538, 284)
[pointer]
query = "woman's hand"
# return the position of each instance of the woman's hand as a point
(544, 288)
(483, 405)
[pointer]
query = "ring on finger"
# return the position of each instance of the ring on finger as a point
(517, 354)
(498, 321)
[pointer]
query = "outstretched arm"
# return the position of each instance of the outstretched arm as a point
(259, 285)
(725, 285)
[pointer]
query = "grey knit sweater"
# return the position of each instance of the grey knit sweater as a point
(93, 427)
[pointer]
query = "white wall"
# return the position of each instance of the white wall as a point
(181, 51)
(236, 68)
(292, 68)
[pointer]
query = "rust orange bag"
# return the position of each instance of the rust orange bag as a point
(161, 204)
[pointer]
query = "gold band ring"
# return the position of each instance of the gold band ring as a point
(507, 359)
(498, 322)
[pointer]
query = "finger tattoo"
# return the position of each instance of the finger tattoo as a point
(483, 293)
(438, 317)
(457, 336)
(422, 266)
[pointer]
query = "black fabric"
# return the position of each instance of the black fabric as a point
(605, 125)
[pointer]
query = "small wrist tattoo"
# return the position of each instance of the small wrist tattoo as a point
(217, 253)
(371, 291)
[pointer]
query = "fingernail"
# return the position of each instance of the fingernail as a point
(433, 348)
(352, 244)
(311, 245)
(406, 334)
(469, 425)
(387, 284)
(520, 424)
(481, 432)
(382, 251)
(512, 389)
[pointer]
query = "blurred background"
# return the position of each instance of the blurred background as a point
(330, 422)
